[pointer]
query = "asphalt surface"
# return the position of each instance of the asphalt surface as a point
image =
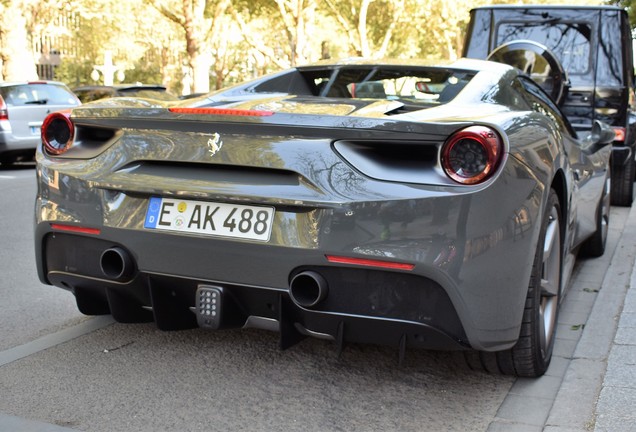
(78, 373)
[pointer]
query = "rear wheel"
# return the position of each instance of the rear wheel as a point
(623, 182)
(595, 245)
(531, 355)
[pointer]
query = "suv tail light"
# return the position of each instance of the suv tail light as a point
(472, 154)
(620, 133)
(58, 132)
(4, 113)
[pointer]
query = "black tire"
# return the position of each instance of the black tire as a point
(623, 183)
(7, 160)
(531, 355)
(595, 245)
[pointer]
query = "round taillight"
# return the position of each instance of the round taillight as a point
(57, 132)
(472, 154)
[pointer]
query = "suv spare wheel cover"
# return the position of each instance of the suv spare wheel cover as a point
(538, 62)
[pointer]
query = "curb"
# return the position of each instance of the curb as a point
(575, 406)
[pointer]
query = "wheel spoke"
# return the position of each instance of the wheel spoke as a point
(544, 327)
(548, 244)
(550, 281)
(551, 260)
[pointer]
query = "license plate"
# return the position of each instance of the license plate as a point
(210, 218)
(35, 130)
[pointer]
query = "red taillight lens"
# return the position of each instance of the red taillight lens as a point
(471, 155)
(4, 113)
(370, 262)
(76, 229)
(58, 132)
(620, 133)
(221, 111)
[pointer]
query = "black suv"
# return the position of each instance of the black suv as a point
(582, 55)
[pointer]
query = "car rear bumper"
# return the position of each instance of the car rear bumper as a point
(359, 305)
(11, 143)
(465, 285)
(455, 296)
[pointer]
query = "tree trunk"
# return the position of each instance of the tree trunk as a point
(18, 62)
(199, 60)
(200, 73)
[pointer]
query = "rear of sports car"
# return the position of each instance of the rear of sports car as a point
(337, 226)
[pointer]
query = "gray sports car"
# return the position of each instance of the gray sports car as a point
(412, 205)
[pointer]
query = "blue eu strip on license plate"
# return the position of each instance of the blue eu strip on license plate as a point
(210, 218)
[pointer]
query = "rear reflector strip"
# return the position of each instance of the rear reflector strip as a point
(76, 229)
(221, 111)
(619, 133)
(370, 263)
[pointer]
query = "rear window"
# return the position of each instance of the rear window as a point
(37, 94)
(569, 41)
(92, 94)
(156, 94)
(414, 85)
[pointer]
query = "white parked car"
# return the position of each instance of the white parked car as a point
(23, 107)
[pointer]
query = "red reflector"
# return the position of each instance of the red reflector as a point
(75, 229)
(4, 114)
(221, 111)
(619, 133)
(370, 262)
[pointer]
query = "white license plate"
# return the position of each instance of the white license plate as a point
(35, 130)
(210, 218)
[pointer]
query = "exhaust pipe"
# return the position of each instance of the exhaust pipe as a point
(308, 288)
(116, 263)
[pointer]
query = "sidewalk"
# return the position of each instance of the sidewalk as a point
(591, 382)
(616, 408)
(598, 392)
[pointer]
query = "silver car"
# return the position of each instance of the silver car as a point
(23, 107)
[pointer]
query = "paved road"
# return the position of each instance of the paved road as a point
(60, 370)
(28, 309)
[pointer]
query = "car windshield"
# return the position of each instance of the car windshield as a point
(37, 94)
(569, 41)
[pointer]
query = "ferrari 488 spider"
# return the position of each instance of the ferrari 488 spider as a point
(412, 205)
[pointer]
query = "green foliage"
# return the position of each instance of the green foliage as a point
(74, 74)
(248, 38)
(144, 73)
(630, 6)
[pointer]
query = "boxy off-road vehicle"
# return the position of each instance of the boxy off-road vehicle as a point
(582, 56)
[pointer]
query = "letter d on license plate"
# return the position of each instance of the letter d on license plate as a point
(209, 218)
